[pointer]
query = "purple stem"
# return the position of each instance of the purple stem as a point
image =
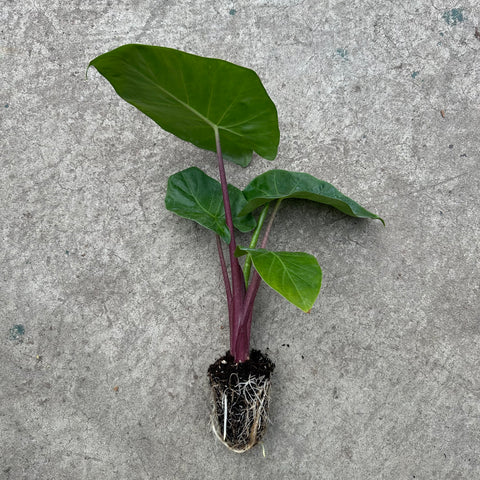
(238, 282)
(226, 281)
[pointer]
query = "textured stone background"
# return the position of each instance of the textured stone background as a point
(101, 287)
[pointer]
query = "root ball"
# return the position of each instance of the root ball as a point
(240, 399)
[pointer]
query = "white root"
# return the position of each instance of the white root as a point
(243, 407)
(225, 416)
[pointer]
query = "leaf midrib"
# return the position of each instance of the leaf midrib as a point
(285, 272)
(189, 107)
(197, 201)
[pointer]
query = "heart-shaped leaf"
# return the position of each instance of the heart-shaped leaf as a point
(297, 276)
(192, 194)
(192, 96)
(281, 184)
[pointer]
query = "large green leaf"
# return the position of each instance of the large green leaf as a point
(297, 276)
(192, 194)
(280, 184)
(192, 96)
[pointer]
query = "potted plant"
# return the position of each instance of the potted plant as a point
(224, 108)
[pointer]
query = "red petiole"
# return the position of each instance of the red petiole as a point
(239, 299)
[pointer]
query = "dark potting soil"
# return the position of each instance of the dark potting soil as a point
(257, 365)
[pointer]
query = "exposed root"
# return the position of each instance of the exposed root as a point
(240, 404)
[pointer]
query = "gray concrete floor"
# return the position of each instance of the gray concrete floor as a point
(112, 308)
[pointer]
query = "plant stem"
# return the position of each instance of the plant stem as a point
(256, 235)
(238, 283)
(256, 279)
(246, 319)
(270, 223)
(226, 281)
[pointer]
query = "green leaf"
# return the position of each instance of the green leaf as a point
(192, 194)
(276, 184)
(294, 275)
(192, 96)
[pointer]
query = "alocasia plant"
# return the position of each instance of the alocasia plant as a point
(224, 108)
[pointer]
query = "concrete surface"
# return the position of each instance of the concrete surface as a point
(112, 308)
